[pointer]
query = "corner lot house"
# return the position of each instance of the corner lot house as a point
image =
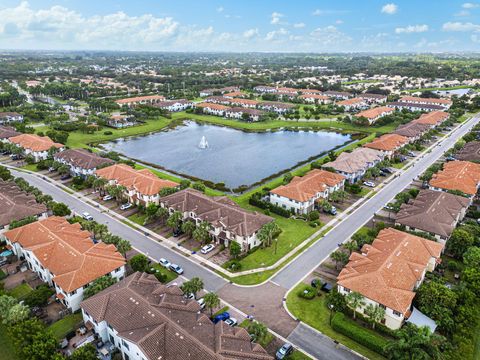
(374, 114)
(469, 152)
(81, 162)
(35, 145)
(17, 205)
(7, 132)
(433, 118)
(65, 256)
(388, 271)
(301, 193)
(8, 117)
(147, 320)
(463, 176)
(388, 144)
(433, 212)
(229, 222)
(353, 165)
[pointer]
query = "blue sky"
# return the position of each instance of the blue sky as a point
(242, 25)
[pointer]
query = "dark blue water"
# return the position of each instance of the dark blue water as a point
(233, 156)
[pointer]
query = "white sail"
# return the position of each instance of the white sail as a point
(203, 143)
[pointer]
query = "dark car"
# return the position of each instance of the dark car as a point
(221, 317)
(327, 287)
(284, 351)
(386, 170)
(65, 177)
(177, 232)
(316, 283)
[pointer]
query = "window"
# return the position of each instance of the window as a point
(125, 345)
(346, 290)
(112, 340)
(396, 313)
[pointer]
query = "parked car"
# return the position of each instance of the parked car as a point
(231, 322)
(107, 197)
(386, 170)
(177, 232)
(176, 269)
(164, 262)
(221, 317)
(87, 216)
(284, 351)
(189, 296)
(327, 287)
(369, 183)
(126, 206)
(65, 177)
(450, 158)
(201, 302)
(316, 283)
(207, 248)
(411, 154)
(51, 169)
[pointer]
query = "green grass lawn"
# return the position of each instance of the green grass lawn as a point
(7, 351)
(298, 355)
(20, 291)
(63, 326)
(169, 274)
(138, 218)
(31, 167)
(316, 314)
(440, 88)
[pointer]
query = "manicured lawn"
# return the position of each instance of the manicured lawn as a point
(20, 291)
(298, 355)
(267, 339)
(316, 314)
(7, 349)
(31, 167)
(440, 88)
(169, 274)
(63, 326)
(138, 218)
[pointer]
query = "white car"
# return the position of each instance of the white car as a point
(207, 248)
(87, 216)
(201, 302)
(231, 322)
(164, 262)
(107, 197)
(369, 183)
(126, 206)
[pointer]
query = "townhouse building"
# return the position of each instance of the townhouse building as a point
(388, 144)
(34, 145)
(9, 117)
(461, 176)
(140, 100)
(81, 162)
(372, 115)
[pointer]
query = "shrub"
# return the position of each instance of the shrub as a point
(353, 188)
(107, 132)
(39, 296)
(355, 332)
(255, 200)
(17, 223)
(308, 292)
(314, 215)
(233, 265)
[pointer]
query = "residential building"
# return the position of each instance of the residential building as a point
(433, 212)
(147, 320)
(265, 89)
(235, 94)
(9, 117)
(469, 152)
(119, 121)
(213, 109)
(388, 144)
(140, 100)
(353, 104)
(229, 222)
(415, 106)
(7, 132)
(210, 92)
(373, 98)
(387, 273)
(17, 205)
(174, 105)
(412, 130)
(246, 103)
(338, 95)
(238, 113)
(65, 256)
(374, 114)
(433, 119)
(277, 107)
(462, 176)
(34, 145)
(444, 103)
(353, 165)
(81, 162)
(302, 193)
(315, 98)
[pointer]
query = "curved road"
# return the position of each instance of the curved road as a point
(265, 301)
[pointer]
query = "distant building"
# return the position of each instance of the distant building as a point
(415, 106)
(373, 98)
(119, 121)
(9, 117)
(7, 132)
(353, 104)
(238, 113)
(338, 95)
(277, 107)
(174, 105)
(388, 144)
(372, 115)
(412, 130)
(140, 100)
(444, 103)
(212, 108)
(433, 118)
(315, 98)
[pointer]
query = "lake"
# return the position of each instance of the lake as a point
(233, 157)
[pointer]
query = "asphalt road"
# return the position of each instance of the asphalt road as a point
(310, 259)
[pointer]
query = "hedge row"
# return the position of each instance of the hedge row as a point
(255, 201)
(355, 332)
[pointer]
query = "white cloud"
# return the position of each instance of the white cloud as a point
(460, 26)
(470, 5)
(329, 35)
(411, 29)
(320, 12)
(389, 9)
(250, 33)
(299, 25)
(338, 22)
(276, 17)
(220, 9)
(475, 38)
(277, 35)
(462, 13)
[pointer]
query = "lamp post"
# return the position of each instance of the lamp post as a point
(331, 307)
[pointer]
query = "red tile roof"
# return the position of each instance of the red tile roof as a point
(34, 142)
(458, 175)
(388, 142)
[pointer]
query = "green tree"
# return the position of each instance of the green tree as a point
(235, 249)
(188, 227)
(351, 246)
(339, 257)
(86, 352)
(139, 262)
(39, 296)
(162, 214)
(212, 301)
(471, 258)
(459, 242)
(202, 232)
(268, 233)
(11, 312)
(99, 185)
(287, 178)
(60, 209)
(184, 184)
(5, 173)
(175, 220)
(199, 186)
(375, 314)
(123, 246)
(98, 285)
(354, 301)
(258, 330)
(192, 286)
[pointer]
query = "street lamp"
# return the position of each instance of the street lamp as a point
(331, 307)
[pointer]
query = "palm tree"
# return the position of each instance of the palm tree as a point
(339, 257)
(212, 301)
(188, 227)
(162, 214)
(267, 233)
(174, 220)
(192, 286)
(258, 330)
(413, 342)
(99, 184)
(375, 314)
(123, 246)
(202, 232)
(354, 301)
(122, 190)
(100, 229)
(351, 246)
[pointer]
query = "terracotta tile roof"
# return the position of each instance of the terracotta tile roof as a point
(235, 94)
(434, 101)
(67, 251)
(218, 211)
(7, 132)
(306, 187)
(416, 106)
(388, 142)
(352, 101)
(17, 204)
(310, 91)
(388, 269)
(212, 106)
(469, 152)
(458, 175)
(412, 129)
(140, 98)
(143, 181)
(277, 104)
(253, 112)
(337, 93)
(357, 160)
(314, 96)
(432, 118)
(244, 101)
(434, 212)
(34, 142)
(371, 96)
(82, 158)
(375, 112)
(165, 325)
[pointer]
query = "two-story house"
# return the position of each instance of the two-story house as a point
(34, 145)
(81, 162)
